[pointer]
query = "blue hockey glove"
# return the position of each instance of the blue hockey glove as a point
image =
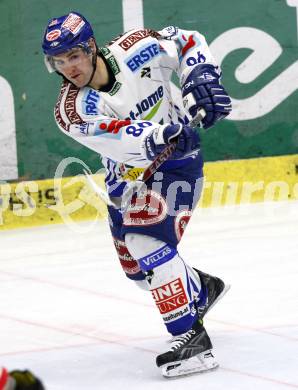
(202, 89)
(187, 140)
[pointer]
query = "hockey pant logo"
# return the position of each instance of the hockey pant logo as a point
(181, 222)
(129, 264)
(148, 208)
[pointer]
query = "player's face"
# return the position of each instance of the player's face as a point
(75, 65)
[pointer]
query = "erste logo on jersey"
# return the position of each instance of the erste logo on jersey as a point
(90, 102)
(142, 56)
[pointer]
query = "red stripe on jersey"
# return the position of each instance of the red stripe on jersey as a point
(190, 43)
(114, 125)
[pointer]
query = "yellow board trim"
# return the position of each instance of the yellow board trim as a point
(249, 181)
(70, 200)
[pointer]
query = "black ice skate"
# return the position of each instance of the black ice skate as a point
(190, 353)
(216, 289)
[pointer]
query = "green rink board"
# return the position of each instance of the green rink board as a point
(41, 146)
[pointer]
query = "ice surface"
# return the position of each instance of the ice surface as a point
(68, 313)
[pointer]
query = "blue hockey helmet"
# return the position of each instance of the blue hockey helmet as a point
(64, 33)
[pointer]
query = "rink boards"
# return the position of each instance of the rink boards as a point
(68, 200)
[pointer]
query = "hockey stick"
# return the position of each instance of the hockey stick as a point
(149, 171)
(142, 178)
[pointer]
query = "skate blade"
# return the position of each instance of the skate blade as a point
(199, 364)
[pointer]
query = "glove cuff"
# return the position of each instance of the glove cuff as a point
(158, 135)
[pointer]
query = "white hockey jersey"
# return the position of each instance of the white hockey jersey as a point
(115, 123)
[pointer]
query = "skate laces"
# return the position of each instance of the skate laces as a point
(182, 339)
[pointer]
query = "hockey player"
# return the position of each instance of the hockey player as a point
(117, 101)
(19, 380)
